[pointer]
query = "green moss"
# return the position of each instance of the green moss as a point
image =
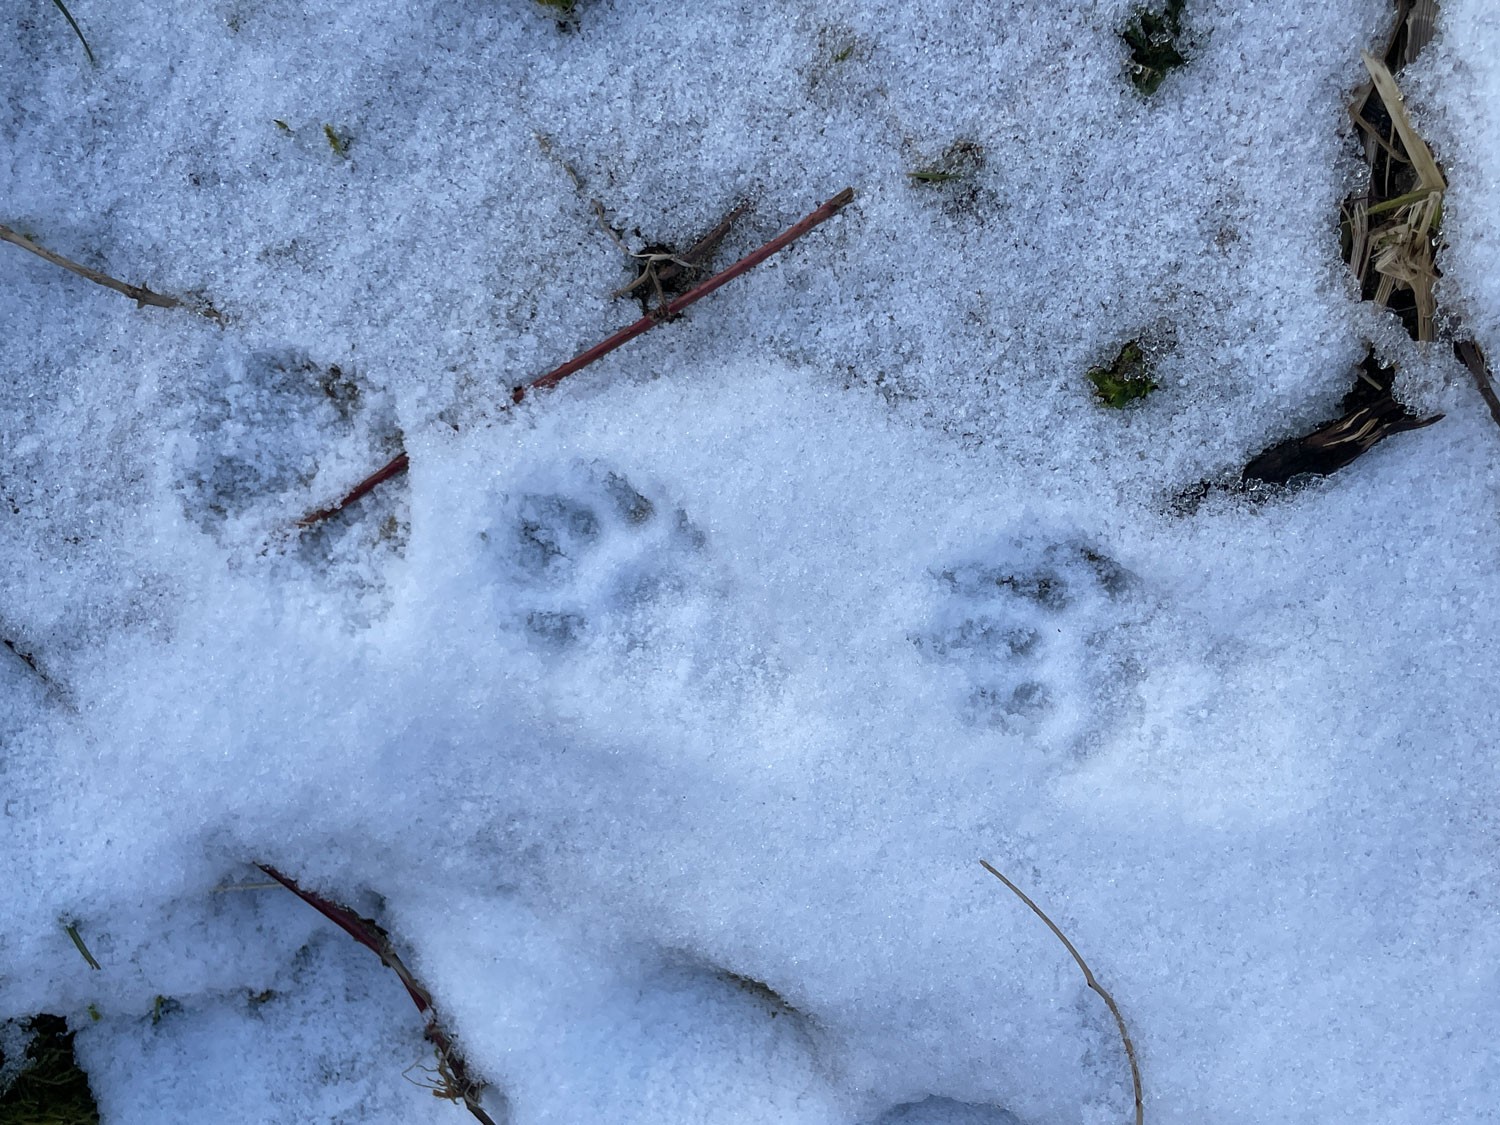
(51, 1090)
(1126, 379)
(1152, 38)
(564, 6)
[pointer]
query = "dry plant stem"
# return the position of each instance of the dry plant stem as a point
(1397, 253)
(1469, 354)
(663, 270)
(1088, 976)
(693, 295)
(400, 463)
(1416, 148)
(372, 937)
(137, 293)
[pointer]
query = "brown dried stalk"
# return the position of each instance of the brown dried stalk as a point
(1471, 357)
(1398, 252)
(1406, 193)
(662, 269)
(137, 293)
(459, 1086)
(1088, 976)
(400, 463)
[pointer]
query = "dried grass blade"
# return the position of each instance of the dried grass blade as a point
(1420, 25)
(1089, 979)
(137, 293)
(1385, 289)
(1417, 151)
(1359, 238)
(78, 31)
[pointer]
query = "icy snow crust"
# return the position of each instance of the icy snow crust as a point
(662, 721)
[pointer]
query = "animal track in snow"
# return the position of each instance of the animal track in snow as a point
(585, 557)
(1038, 630)
(260, 427)
(946, 1111)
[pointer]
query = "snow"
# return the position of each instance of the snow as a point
(662, 720)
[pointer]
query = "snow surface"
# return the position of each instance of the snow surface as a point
(662, 721)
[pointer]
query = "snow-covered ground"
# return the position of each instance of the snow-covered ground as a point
(663, 720)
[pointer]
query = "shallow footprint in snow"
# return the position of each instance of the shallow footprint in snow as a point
(258, 428)
(587, 558)
(1038, 628)
(946, 1111)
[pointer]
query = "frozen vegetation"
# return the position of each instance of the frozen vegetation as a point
(662, 720)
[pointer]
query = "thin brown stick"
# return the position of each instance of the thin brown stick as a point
(461, 1087)
(693, 295)
(1088, 976)
(400, 463)
(137, 293)
(698, 253)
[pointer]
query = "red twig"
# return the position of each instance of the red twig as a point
(372, 937)
(392, 468)
(400, 463)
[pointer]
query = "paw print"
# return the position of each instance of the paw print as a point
(1036, 631)
(258, 431)
(585, 557)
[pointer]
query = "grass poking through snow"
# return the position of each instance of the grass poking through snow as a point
(78, 31)
(50, 1089)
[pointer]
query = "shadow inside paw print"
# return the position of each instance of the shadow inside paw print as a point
(588, 557)
(1034, 631)
(946, 1111)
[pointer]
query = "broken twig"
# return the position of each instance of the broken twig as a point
(137, 293)
(1088, 976)
(461, 1086)
(400, 463)
(664, 268)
